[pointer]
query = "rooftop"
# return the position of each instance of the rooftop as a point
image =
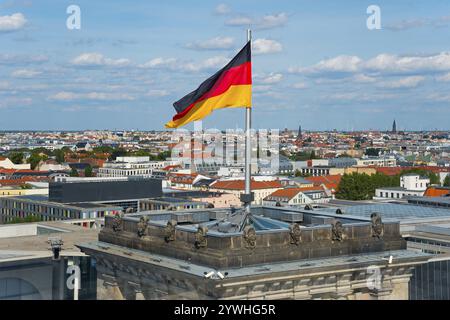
(393, 211)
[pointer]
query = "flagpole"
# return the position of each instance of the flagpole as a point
(248, 151)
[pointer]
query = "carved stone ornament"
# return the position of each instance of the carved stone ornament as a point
(337, 231)
(200, 237)
(169, 230)
(250, 237)
(118, 222)
(142, 226)
(295, 233)
(377, 225)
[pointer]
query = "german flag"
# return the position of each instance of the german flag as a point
(231, 87)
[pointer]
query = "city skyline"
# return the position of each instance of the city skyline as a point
(317, 65)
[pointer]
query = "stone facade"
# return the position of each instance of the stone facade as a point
(282, 254)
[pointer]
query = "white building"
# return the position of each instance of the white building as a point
(389, 161)
(410, 185)
(130, 166)
(260, 189)
(298, 196)
(414, 182)
(8, 164)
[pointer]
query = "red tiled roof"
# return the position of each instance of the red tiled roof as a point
(15, 182)
(392, 171)
(183, 178)
(330, 181)
(240, 185)
(170, 167)
(435, 191)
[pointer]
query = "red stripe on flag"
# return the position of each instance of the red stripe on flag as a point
(240, 75)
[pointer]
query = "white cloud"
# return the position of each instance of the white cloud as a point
(444, 78)
(409, 64)
(13, 22)
(4, 85)
(382, 63)
(362, 78)
(272, 21)
(439, 97)
(266, 46)
(94, 59)
(160, 63)
(25, 73)
(101, 96)
(15, 59)
(217, 43)
(406, 24)
(157, 93)
(174, 64)
(407, 82)
(343, 63)
(222, 9)
(261, 88)
(299, 85)
(63, 96)
(239, 21)
(266, 22)
(358, 96)
(438, 22)
(269, 79)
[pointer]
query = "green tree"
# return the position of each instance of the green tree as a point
(298, 173)
(141, 153)
(373, 152)
(16, 157)
(59, 155)
(119, 152)
(27, 219)
(88, 172)
(163, 155)
(344, 155)
(446, 182)
(74, 173)
(303, 156)
(357, 186)
(34, 160)
(103, 149)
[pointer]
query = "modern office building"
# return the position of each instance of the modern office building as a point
(41, 208)
(130, 166)
(170, 203)
(343, 162)
(82, 199)
(383, 161)
(103, 191)
(425, 225)
(29, 269)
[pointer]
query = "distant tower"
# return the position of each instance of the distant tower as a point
(394, 127)
(299, 136)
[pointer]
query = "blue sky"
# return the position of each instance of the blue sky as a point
(315, 63)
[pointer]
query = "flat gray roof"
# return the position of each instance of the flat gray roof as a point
(392, 211)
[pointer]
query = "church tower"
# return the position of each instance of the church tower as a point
(394, 127)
